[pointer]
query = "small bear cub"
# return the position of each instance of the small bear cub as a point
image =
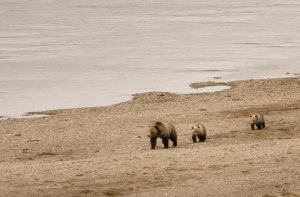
(257, 120)
(199, 131)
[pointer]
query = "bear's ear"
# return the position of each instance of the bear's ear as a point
(158, 124)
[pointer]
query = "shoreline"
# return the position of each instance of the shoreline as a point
(204, 87)
(105, 151)
(90, 76)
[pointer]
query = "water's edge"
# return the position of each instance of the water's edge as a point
(200, 87)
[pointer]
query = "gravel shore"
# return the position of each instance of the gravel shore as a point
(105, 151)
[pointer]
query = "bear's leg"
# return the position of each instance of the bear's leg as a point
(263, 125)
(202, 138)
(174, 140)
(258, 126)
(166, 142)
(252, 126)
(153, 143)
(194, 138)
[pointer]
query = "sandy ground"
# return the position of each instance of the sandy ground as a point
(105, 151)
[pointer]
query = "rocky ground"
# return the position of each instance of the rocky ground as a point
(105, 151)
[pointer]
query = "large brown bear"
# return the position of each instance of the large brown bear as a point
(165, 131)
(198, 131)
(257, 120)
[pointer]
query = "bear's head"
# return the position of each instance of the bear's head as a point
(195, 130)
(254, 118)
(155, 129)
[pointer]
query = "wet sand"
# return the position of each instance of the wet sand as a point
(105, 151)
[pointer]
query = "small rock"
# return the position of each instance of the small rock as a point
(34, 140)
(86, 191)
(217, 77)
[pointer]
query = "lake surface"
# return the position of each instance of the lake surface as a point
(64, 54)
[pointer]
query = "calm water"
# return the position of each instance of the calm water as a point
(63, 54)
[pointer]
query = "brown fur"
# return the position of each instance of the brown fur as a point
(165, 131)
(199, 131)
(257, 120)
